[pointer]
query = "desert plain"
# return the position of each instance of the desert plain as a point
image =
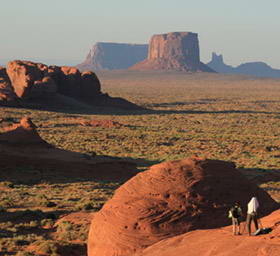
(46, 206)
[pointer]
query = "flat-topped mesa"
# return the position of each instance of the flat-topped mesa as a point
(173, 51)
(110, 56)
(175, 45)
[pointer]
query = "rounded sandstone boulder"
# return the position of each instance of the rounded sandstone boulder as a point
(167, 200)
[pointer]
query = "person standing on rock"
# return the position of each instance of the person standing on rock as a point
(253, 206)
(235, 213)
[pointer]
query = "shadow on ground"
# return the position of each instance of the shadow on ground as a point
(101, 110)
(24, 170)
(261, 176)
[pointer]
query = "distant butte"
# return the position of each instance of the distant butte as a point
(110, 56)
(258, 69)
(173, 51)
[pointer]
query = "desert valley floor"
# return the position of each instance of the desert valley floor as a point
(45, 207)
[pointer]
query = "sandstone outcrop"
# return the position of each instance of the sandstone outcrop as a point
(169, 199)
(173, 51)
(33, 80)
(7, 94)
(23, 75)
(220, 242)
(109, 56)
(23, 133)
(26, 80)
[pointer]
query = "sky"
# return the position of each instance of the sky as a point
(63, 31)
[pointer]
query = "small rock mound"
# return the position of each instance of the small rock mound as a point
(101, 123)
(23, 133)
(167, 200)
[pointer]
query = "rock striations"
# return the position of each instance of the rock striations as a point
(109, 56)
(220, 242)
(167, 200)
(173, 51)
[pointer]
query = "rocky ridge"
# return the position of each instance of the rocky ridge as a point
(26, 81)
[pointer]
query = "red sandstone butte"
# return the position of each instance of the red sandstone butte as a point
(173, 51)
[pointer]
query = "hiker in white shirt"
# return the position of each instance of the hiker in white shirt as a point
(253, 206)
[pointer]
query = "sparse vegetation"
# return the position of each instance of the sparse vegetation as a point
(223, 117)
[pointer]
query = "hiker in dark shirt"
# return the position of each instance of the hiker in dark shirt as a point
(235, 213)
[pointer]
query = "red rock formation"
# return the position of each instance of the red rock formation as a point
(23, 75)
(173, 51)
(23, 133)
(88, 79)
(70, 83)
(33, 80)
(220, 242)
(6, 91)
(28, 80)
(167, 200)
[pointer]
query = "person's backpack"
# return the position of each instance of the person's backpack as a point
(234, 212)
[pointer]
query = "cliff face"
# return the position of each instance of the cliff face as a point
(173, 51)
(114, 56)
(258, 69)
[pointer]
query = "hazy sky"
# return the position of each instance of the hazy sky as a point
(64, 30)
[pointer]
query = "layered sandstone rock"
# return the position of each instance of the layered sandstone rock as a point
(220, 242)
(173, 51)
(167, 200)
(23, 75)
(111, 56)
